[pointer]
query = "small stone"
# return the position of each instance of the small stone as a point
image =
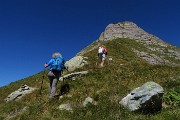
(66, 107)
(87, 101)
(73, 78)
(69, 96)
(110, 59)
(164, 106)
(61, 97)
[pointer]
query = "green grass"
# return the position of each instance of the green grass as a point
(106, 85)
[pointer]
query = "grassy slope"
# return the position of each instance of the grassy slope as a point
(107, 86)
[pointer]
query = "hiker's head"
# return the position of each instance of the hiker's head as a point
(56, 54)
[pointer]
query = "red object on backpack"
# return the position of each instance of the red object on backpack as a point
(105, 50)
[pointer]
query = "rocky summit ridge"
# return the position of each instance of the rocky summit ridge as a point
(129, 30)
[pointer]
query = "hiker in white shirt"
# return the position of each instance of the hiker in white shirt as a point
(101, 55)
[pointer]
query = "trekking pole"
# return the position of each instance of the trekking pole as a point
(42, 81)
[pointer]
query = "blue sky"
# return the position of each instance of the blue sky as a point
(31, 30)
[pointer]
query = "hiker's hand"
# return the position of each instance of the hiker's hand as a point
(45, 65)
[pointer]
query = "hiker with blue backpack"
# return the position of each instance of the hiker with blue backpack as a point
(56, 65)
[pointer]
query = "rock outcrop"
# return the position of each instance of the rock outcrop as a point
(18, 94)
(129, 30)
(152, 58)
(147, 98)
(76, 62)
(73, 76)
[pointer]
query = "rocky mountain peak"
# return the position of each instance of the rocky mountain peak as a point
(129, 30)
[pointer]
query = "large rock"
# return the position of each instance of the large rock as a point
(147, 98)
(18, 94)
(76, 62)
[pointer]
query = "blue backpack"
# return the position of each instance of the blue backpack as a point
(58, 64)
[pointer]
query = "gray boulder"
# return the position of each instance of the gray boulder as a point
(147, 98)
(18, 94)
(76, 62)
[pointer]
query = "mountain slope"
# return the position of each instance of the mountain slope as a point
(106, 85)
(155, 51)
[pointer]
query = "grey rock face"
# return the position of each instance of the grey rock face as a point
(126, 30)
(76, 62)
(74, 75)
(151, 58)
(147, 98)
(18, 94)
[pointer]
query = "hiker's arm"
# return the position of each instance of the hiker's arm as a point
(45, 65)
(49, 63)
